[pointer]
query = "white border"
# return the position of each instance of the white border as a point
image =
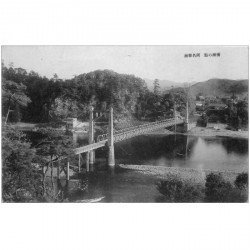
(124, 226)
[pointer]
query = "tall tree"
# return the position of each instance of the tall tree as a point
(156, 87)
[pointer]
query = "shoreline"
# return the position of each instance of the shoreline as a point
(196, 175)
(209, 131)
(162, 172)
(218, 130)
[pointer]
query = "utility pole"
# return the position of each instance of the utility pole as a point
(111, 156)
(174, 113)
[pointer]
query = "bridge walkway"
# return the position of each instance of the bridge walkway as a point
(129, 133)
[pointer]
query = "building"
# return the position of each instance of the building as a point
(199, 106)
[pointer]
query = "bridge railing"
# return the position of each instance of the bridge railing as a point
(142, 129)
(138, 128)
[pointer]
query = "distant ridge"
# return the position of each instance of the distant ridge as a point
(220, 87)
(211, 87)
(166, 84)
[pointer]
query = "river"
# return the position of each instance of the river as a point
(181, 151)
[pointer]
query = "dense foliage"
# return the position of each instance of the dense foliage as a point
(233, 111)
(237, 114)
(177, 190)
(216, 189)
(24, 165)
(21, 179)
(13, 98)
(241, 181)
(219, 190)
(202, 120)
(55, 99)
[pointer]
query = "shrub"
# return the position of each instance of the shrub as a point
(202, 121)
(241, 181)
(216, 188)
(176, 190)
(219, 190)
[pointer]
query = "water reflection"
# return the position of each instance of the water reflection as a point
(236, 146)
(144, 149)
(185, 151)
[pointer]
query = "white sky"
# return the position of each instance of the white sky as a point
(162, 62)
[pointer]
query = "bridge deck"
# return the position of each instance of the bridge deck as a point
(126, 134)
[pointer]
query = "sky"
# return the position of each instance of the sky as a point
(151, 62)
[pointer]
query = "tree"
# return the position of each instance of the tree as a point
(54, 144)
(64, 108)
(238, 114)
(25, 167)
(242, 111)
(203, 120)
(179, 97)
(241, 181)
(156, 87)
(55, 77)
(21, 179)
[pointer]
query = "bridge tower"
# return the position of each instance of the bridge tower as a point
(186, 124)
(91, 135)
(111, 156)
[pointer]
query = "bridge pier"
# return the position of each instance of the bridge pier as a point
(186, 127)
(79, 163)
(87, 161)
(91, 135)
(111, 154)
(91, 157)
(58, 169)
(67, 171)
(186, 124)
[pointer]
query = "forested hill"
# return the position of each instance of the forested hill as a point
(220, 88)
(101, 88)
(29, 97)
(56, 99)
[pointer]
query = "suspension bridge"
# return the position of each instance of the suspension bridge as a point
(113, 136)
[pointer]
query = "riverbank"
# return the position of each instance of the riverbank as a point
(217, 130)
(212, 130)
(195, 175)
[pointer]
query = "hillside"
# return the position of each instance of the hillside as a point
(220, 87)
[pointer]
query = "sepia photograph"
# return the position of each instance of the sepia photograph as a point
(124, 124)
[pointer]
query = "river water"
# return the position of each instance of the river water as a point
(181, 151)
